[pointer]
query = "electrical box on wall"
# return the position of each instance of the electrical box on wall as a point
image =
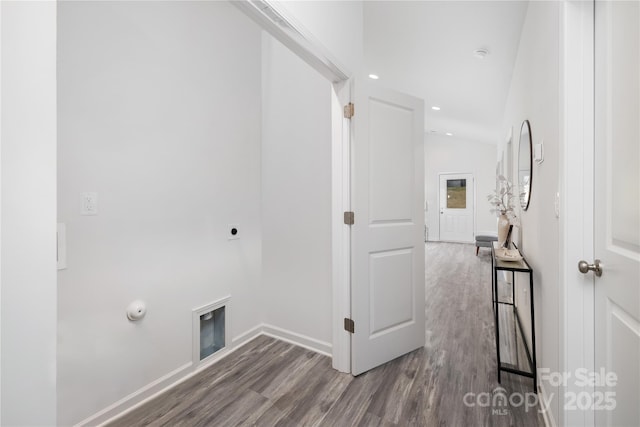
(210, 330)
(89, 203)
(233, 231)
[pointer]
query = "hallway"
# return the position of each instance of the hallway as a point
(269, 382)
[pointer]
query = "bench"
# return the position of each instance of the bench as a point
(484, 241)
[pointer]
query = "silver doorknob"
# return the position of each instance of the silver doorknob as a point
(585, 267)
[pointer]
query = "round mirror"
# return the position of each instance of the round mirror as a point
(525, 164)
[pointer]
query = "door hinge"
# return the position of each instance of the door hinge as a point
(349, 326)
(349, 110)
(349, 218)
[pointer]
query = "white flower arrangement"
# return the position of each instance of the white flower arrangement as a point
(502, 200)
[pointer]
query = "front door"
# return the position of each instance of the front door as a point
(387, 288)
(617, 210)
(456, 207)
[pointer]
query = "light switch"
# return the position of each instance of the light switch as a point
(538, 152)
(89, 203)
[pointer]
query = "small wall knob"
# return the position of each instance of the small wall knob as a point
(136, 310)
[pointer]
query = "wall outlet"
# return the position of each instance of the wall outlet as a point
(233, 232)
(89, 203)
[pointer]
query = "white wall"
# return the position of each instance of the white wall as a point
(28, 174)
(296, 194)
(534, 95)
(161, 116)
(445, 154)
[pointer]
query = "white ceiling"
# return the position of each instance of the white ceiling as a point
(425, 48)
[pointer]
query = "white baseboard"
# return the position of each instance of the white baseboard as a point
(247, 336)
(188, 370)
(285, 335)
(549, 421)
(300, 340)
(138, 397)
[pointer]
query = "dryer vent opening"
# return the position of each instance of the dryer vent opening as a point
(212, 331)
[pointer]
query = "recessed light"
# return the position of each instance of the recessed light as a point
(374, 76)
(481, 53)
(435, 108)
(449, 134)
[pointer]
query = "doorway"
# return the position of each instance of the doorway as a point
(602, 221)
(617, 210)
(384, 241)
(457, 207)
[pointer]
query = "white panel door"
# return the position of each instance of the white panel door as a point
(617, 208)
(387, 237)
(456, 208)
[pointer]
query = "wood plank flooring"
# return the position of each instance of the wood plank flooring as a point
(271, 383)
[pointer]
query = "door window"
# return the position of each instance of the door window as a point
(456, 194)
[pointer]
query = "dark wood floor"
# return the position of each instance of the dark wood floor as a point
(272, 383)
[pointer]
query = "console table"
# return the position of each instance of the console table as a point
(518, 336)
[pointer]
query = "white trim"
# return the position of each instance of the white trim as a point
(164, 383)
(473, 208)
(547, 415)
(189, 370)
(245, 337)
(1, 7)
(341, 233)
(475, 204)
(295, 338)
(195, 326)
(274, 19)
(576, 189)
(138, 397)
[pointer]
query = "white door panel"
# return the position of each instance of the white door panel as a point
(456, 208)
(387, 237)
(391, 290)
(617, 206)
(391, 172)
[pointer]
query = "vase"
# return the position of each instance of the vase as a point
(503, 229)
